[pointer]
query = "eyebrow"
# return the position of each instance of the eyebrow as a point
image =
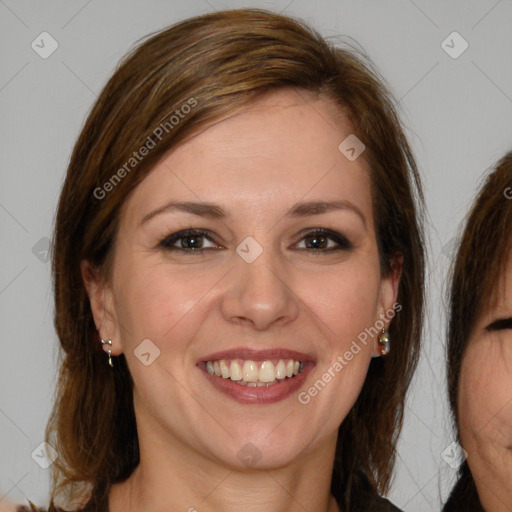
(498, 325)
(302, 209)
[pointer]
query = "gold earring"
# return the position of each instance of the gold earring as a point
(108, 342)
(384, 342)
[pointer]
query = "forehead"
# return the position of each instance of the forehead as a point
(281, 149)
(501, 297)
(498, 300)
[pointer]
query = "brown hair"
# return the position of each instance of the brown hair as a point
(219, 63)
(481, 259)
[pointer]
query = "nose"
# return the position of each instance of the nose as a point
(260, 293)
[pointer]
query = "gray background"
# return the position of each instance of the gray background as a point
(457, 113)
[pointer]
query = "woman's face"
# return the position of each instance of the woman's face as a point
(263, 287)
(485, 400)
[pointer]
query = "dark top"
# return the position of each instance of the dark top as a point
(464, 495)
(368, 500)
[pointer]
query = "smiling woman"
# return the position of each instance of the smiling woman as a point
(267, 235)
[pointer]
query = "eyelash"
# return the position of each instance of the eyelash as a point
(168, 241)
(500, 324)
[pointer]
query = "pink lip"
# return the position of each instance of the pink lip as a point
(258, 355)
(258, 395)
(264, 394)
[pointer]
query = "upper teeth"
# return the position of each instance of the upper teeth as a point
(254, 371)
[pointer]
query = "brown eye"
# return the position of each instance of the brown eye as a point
(190, 241)
(317, 240)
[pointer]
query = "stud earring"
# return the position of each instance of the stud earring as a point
(108, 342)
(384, 342)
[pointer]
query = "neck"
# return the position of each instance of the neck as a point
(173, 476)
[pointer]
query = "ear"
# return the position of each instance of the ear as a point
(101, 299)
(388, 295)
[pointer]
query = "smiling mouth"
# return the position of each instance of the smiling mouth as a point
(246, 372)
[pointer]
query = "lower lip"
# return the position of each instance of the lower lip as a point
(262, 394)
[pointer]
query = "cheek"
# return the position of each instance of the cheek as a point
(485, 396)
(154, 299)
(353, 295)
(347, 306)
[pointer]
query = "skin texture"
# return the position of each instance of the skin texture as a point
(256, 165)
(485, 403)
(6, 506)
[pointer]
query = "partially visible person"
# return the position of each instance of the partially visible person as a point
(480, 349)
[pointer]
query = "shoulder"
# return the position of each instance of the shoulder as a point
(24, 508)
(377, 503)
(386, 506)
(31, 507)
(464, 495)
(362, 496)
(12, 507)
